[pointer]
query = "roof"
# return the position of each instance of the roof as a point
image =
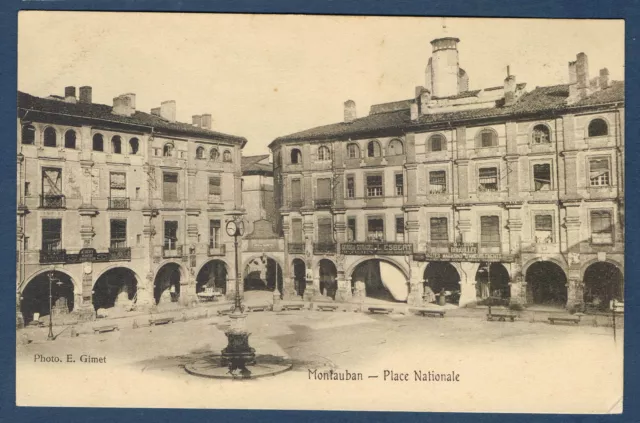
(251, 165)
(551, 99)
(104, 112)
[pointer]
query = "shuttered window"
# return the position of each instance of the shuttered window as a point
(542, 177)
(490, 231)
(488, 179)
(296, 230)
(325, 234)
(170, 187)
(439, 230)
(214, 233)
(601, 227)
(374, 186)
(323, 190)
(51, 181)
(351, 187)
(399, 184)
(118, 185)
(296, 193)
(599, 174)
(215, 185)
(437, 182)
(351, 229)
(375, 229)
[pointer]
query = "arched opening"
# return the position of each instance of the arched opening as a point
(134, 146)
(541, 134)
(214, 154)
(200, 153)
(299, 276)
(115, 288)
(436, 143)
(486, 138)
(167, 150)
(50, 137)
(28, 134)
(492, 280)
(166, 287)
(296, 156)
(598, 128)
(603, 282)
(324, 153)
(213, 277)
(353, 151)
(34, 300)
(261, 274)
(98, 142)
(395, 148)
(70, 139)
(546, 284)
(226, 156)
(373, 149)
(328, 278)
(442, 279)
(379, 279)
(116, 144)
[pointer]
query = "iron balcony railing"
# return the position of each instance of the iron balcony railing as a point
(324, 247)
(296, 248)
(218, 250)
(53, 256)
(172, 250)
(296, 204)
(52, 201)
(119, 203)
(323, 203)
(120, 254)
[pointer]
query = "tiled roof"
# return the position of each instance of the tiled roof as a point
(551, 99)
(251, 165)
(103, 112)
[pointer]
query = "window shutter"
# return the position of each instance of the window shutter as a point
(214, 185)
(324, 231)
(296, 230)
(170, 186)
(323, 190)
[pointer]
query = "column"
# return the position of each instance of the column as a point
(514, 226)
(463, 226)
(512, 176)
(287, 276)
(416, 285)
(340, 226)
(463, 179)
(468, 284)
(308, 233)
(570, 174)
(145, 292)
(572, 223)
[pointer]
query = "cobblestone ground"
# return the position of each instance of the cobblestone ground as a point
(502, 366)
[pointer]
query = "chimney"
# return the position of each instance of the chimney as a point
(604, 78)
(196, 120)
(168, 110)
(445, 67)
(85, 95)
(509, 89)
(155, 111)
(206, 121)
(414, 110)
(349, 111)
(124, 104)
(70, 94)
(582, 74)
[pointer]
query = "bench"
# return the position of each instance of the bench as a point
(428, 312)
(287, 307)
(501, 317)
(327, 307)
(568, 319)
(105, 328)
(380, 310)
(161, 321)
(258, 308)
(225, 311)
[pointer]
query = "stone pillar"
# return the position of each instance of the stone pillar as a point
(145, 290)
(512, 176)
(413, 225)
(309, 290)
(464, 221)
(572, 223)
(307, 192)
(463, 179)
(288, 286)
(570, 174)
(468, 284)
(416, 285)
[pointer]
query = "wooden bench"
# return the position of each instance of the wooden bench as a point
(105, 328)
(161, 321)
(225, 312)
(501, 317)
(287, 307)
(326, 307)
(380, 310)
(428, 312)
(568, 319)
(258, 308)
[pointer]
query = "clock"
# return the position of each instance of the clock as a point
(232, 228)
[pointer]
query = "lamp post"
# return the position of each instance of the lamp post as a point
(50, 336)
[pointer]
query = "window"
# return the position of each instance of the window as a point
(598, 128)
(50, 137)
(543, 224)
(214, 233)
(25, 243)
(214, 154)
(137, 193)
(170, 234)
(325, 232)
(490, 231)
(296, 193)
(118, 191)
(27, 189)
(437, 182)
(200, 153)
(28, 134)
(116, 144)
(138, 239)
(52, 188)
(51, 234)
(215, 185)
(351, 187)
(395, 148)
(353, 151)
(323, 189)
(98, 142)
(324, 153)
(296, 156)
(351, 229)
(488, 179)
(226, 156)
(170, 186)
(399, 229)
(296, 231)
(118, 233)
(436, 143)
(439, 229)
(399, 184)
(375, 229)
(373, 149)
(70, 139)
(541, 135)
(599, 173)
(601, 227)
(167, 150)
(134, 146)
(374, 186)
(487, 138)
(542, 177)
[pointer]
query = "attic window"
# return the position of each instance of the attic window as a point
(200, 153)
(167, 151)
(116, 144)
(134, 145)
(226, 156)
(436, 143)
(214, 154)
(541, 135)
(70, 139)
(98, 142)
(50, 137)
(353, 151)
(28, 134)
(598, 128)
(487, 138)
(373, 149)
(296, 156)
(324, 153)
(395, 148)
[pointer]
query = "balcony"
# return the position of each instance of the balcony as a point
(53, 256)
(172, 250)
(324, 248)
(120, 254)
(296, 204)
(118, 203)
(52, 201)
(217, 250)
(323, 203)
(296, 248)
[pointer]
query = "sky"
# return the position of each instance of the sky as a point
(264, 76)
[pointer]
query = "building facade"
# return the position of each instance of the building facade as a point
(500, 192)
(120, 207)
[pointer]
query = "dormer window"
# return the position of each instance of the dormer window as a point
(373, 149)
(50, 137)
(541, 135)
(395, 148)
(296, 156)
(28, 134)
(598, 128)
(200, 153)
(436, 143)
(324, 153)
(487, 138)
(226, 156)
(353, 151)
(167, 151)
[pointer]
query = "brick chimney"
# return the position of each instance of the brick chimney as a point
(509, 89)
(85, 95)
(414, 110)
(206, 121)
(349, 111)
(70, 94)
(196, 120)
(604, 78)
(124, 104)
(578, 78)
(168, 110)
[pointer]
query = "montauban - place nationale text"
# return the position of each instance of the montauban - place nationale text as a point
(387, 375)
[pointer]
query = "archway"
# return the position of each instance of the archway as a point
(166, 287)
(382, 280)
(261, 274)
(546, 284)
(443, 278)
(328, 278)
(299, 276)
(115, 288)
(212, 275)
(35, 295)
(603, 282)
(498, 276)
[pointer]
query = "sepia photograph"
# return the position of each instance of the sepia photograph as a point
(308, 212)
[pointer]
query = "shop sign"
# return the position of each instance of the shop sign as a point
(376, 248)
(470, 257)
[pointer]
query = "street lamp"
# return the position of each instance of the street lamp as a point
(51, 273)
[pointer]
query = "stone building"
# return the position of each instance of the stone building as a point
(504, 191)
(119, 206)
